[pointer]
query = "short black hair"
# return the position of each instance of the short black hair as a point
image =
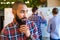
(15, 5)
(55, 10)
(34, 9)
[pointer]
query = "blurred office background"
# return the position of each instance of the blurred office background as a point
(44, 5)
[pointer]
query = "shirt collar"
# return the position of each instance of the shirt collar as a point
(35, 14)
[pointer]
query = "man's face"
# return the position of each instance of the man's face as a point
(21, 12)
(36, 11)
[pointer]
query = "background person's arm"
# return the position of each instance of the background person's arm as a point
(48, 27)
(42, 15)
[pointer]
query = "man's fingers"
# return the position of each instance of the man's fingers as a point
(24, 28)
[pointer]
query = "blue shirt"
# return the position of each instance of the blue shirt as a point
(54, 27)
(38, 20)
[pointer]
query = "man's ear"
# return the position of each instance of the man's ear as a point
(13, 11)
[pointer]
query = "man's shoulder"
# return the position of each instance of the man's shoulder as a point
(31, 23)
(7, 27)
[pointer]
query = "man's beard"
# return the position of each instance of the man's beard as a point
(21, 21)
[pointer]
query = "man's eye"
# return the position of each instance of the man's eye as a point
(22, 11)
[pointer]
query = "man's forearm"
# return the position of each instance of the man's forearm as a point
(29, 38)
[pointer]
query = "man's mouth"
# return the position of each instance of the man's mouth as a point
(24, 19)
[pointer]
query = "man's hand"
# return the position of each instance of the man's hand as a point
(24, 29)
(42, 15)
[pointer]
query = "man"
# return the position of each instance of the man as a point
(54, 25)
(20, 28)
(38, 20)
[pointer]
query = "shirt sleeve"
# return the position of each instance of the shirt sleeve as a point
(42, 20)
(30, 18)
(48, 27)
(34, 33)
(4, 35)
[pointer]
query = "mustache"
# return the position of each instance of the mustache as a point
(20, 21)
(24, 18)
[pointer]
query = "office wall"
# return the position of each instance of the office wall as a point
(53, 3)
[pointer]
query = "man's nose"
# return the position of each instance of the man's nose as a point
(25, 14)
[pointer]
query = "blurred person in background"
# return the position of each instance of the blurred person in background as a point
(38, 20)
(54, 25)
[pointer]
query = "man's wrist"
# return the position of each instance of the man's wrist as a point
(29, 38)
(27, 35)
